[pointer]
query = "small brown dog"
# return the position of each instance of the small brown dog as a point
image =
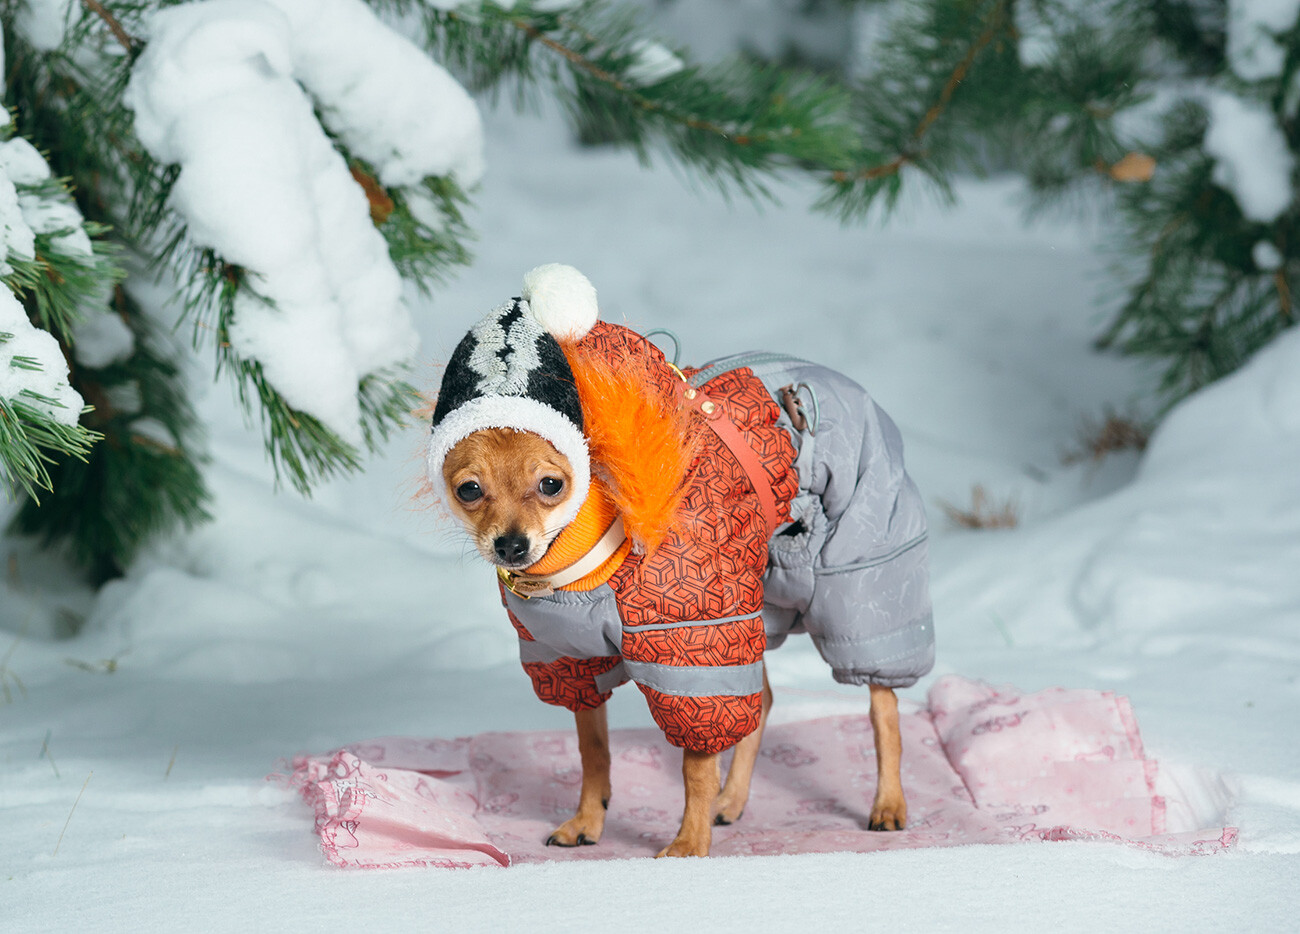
(507, 488)
(532, 456)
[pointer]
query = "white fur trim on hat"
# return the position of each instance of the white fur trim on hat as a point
(561, 299)
(522, 414)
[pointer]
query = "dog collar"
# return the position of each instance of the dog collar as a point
(543, 585)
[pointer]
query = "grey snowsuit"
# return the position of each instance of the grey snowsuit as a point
(852, 567)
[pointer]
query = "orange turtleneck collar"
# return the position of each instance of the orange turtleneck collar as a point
(594, 518)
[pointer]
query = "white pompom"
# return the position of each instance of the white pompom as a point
(561, 299)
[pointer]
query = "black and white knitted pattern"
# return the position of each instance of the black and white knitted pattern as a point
(508, 372)
(509, 354)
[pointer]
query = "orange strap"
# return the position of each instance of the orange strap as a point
(730, 435)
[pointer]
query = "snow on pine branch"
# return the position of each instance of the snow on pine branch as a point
(37, 214)
(1253, 27)
(33, 370)
(1253, 159)
(228, 90)
(47, 256)
(42, 211)
(653, 62)
(43, 23)
(382, 95)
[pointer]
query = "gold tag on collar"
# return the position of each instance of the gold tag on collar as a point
(522, 585)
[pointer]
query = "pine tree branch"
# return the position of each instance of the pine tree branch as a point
(733, 123)
(1158, 248)
(92, 134)
(124, 38)
(995, 23)
(29, 441)
(133, 484)
(590, 68)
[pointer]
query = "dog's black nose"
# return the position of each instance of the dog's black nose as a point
(511, 548)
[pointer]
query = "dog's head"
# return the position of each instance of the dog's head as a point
(513, 492)
(507, 453)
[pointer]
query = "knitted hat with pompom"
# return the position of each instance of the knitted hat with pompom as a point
(509, 372)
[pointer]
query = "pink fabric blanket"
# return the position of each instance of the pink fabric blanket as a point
(980, 765)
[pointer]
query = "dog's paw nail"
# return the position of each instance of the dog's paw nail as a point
(722, 820)
(551, 841)
(604, 802)
(584, 840)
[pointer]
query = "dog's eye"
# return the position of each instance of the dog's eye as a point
(469, 492)
(551, 486)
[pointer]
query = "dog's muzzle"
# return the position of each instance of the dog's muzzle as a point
(527, 585)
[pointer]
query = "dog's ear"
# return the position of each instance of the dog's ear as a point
(561, 300)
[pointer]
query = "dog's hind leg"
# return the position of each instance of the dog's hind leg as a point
(700, 776)
(735, 793)
(586, 826)
(889, 811)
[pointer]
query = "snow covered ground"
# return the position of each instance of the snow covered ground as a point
(289, 626)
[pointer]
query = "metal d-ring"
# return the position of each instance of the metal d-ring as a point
(816, 407)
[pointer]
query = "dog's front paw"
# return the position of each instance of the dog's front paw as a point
(888, 813)
(579, 830)
(561, 837)
(686, 846)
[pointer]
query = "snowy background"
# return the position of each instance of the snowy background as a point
(290, 625)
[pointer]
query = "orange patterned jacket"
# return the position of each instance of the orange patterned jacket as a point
(680, 613)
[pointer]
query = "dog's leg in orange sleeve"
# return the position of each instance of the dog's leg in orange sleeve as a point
(889, 812)
(586, 826)
(700, 774)
(735, 793)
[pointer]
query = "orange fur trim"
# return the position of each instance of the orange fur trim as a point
(642, 439)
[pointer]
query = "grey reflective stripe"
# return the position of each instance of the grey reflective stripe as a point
(754, 360)
(690, 622)
(875, 562)
(530, 651)
(721, 681)
(611, 679)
